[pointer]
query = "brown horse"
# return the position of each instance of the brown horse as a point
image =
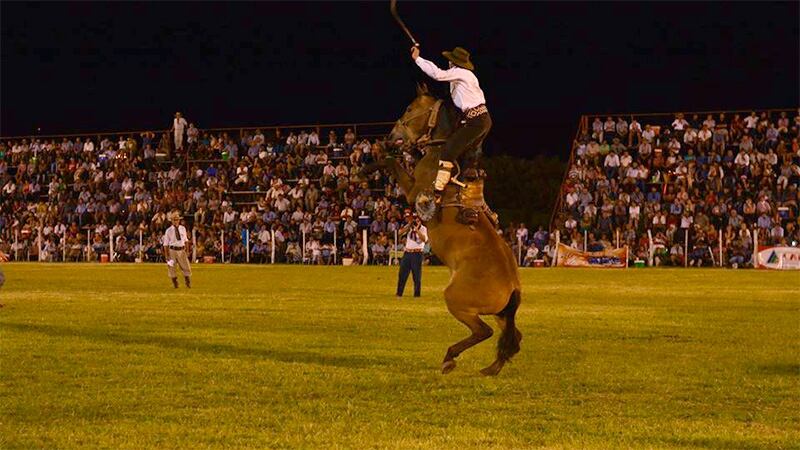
(484, 279)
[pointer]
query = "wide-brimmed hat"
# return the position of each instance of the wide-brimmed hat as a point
(174, 215)
(459, 57)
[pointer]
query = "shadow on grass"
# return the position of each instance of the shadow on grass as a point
(780, 369)
(191, 345)
(711, 442)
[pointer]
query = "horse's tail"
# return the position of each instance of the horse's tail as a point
(508, 344)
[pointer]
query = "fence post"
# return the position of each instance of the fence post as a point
(686, 248)
(39, 242)
(64, 245)
(650, 249)
(585, 237)
(617, 238)
(141, 252)
(303, 252)
(194, 244)
(272, 251)
(222, 246)
(721, 264)
(88, 244)
(16, 245)
(519, 251)
(247, 244)
(755, 248)
(394, 253)
(335, 245)
(555, 251)
(364, 246)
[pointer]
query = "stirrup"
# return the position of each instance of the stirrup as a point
(457, 183)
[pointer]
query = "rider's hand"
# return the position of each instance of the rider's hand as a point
(414, 52)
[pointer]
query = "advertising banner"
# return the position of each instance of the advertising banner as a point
(612, 258)
(778, 258)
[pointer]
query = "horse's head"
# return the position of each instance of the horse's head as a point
(413, 124)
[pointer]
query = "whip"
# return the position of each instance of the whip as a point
(393, 9)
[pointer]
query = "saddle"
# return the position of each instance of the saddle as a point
(468, 198)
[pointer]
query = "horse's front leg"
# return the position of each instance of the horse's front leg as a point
(404, 180)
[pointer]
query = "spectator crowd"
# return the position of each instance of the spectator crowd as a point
(673, 189)
(712, 179)
(73, 198)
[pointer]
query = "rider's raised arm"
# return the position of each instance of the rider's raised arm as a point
(437, 73)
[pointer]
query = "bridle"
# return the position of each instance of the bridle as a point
(430, 125)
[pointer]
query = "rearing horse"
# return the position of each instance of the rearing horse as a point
(484, 279)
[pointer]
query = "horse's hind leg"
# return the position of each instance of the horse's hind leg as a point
(498, 363)
(480, 332)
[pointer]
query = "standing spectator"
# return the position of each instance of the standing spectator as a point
(522, 233)
(634, 133)
(178, 126)
(175, 241)
(416, 237)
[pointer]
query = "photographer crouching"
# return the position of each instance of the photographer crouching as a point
(416, 237)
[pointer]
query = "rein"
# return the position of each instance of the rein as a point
(433, 119)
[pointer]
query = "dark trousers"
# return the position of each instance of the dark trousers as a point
(411, 262)
(469, 135)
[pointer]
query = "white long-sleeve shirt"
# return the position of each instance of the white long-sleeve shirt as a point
(179, 124)
(175, 238)
(464, 86)
(416, 239)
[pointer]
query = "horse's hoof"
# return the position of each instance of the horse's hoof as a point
(492, 370)
(448, 366)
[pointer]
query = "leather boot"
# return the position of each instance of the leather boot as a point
(188, 282)
(175, 282)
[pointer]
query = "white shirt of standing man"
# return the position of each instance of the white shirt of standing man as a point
(464, 86)
(179, 123)
(175, 236)
(417, 235)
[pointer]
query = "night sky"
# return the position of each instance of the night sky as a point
(71, 68)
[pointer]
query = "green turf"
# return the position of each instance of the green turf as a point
(99, 356)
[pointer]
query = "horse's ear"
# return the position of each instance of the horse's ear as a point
(422, 89)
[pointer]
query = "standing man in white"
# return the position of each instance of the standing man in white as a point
(178, 126)
(175, 241)
(416, 236)
(468, 97)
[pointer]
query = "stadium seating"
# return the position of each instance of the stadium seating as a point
(684, 189)
(68, 199)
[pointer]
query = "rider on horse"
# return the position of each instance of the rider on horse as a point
(467, 97)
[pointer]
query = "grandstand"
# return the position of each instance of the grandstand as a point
(686, 189)
(106, 196)
(677, 189)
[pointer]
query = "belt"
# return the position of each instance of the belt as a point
(172, 247)
(413, 251)
(476, 112)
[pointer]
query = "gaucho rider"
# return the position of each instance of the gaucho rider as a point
(468, 97)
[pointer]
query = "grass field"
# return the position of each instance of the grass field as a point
(99, 356)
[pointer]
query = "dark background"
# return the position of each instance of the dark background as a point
(93, 67)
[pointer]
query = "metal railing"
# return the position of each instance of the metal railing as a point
(367, 128)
